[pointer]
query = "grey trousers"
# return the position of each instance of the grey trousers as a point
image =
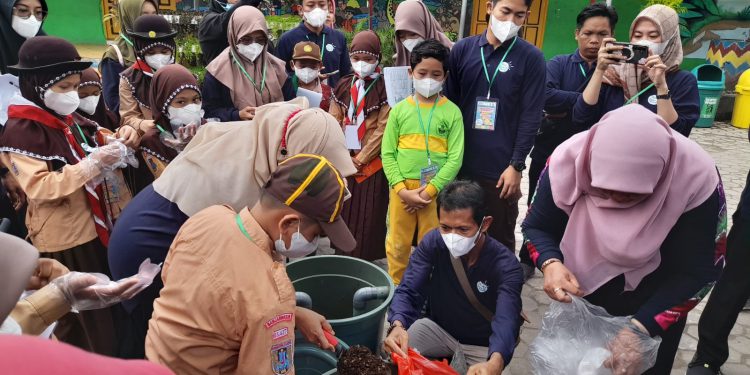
(430, 340)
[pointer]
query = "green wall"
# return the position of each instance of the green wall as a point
(79, 21)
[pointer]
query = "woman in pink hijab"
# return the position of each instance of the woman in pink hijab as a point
(414, 23)
(630, 215)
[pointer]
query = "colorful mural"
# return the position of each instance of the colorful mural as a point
(354, 14)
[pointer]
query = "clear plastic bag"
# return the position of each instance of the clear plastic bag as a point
(580, 338)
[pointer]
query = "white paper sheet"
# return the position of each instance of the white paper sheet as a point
(351, 135)
(398, 85)
(8, 89)
(313, 97)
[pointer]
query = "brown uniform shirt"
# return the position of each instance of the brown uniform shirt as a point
(227, 306)
(132, 113)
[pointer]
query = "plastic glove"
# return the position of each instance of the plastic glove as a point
(91, 291)
(130, 158)
(110, 156)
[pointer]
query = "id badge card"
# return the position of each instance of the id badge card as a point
(351, 135)
(486, 114)
(427, 174)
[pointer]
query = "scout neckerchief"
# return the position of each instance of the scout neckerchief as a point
(357, 106)
(250, 78)
(499, 66)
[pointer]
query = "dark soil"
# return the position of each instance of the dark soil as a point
(359, 360)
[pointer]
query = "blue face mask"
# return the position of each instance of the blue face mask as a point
(226, 6)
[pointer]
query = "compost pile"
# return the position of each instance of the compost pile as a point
(359, 360)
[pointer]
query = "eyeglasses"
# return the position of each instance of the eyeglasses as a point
(247, 40)
(24, 13)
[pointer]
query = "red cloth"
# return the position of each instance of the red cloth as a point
(21, 355)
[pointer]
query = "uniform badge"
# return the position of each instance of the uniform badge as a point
(652, 100)
(281, 358)
(329, 47)
(152, 34)
(481, 287)
(504, 67)
(307, 49)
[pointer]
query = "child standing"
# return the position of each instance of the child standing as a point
(423, 148)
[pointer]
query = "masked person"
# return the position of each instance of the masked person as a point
(360, 105)
(567, 76)
(21, 20)
(245, 76)
(453, 324)
(657, 83)
(67, 217)
(154, 44)
(176, 105)
(307, 64)
(332, 43)
(241, 256)
(631, 215)
(212, 31)
(121, 54)
(230, 160)
(422, 149)
(413, 24)
(92, 106)
(497, 80)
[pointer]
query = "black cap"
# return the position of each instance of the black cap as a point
(152, 27)
(47, 53)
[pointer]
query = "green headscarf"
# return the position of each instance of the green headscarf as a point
(127, 12)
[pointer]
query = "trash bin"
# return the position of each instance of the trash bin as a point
(309, 359)
(351, 293)
(741, 113)
(710, 86)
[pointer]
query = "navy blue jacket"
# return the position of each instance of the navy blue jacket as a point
(335, 52)
(496, 280)
(217, 99)
(683, 87)
(521, 94)
(111, 84)
(687, 260)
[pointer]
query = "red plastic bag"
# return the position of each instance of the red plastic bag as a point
(416, 364)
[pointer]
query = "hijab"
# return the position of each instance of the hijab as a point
(631, 77)
(413, 16)
(226, 67)
(103, 116)
(228, 163)
(630, 150)
(167, 83)
(127, 12)
(18, 261)
(10, 41)
(138, 76)
(366, 42)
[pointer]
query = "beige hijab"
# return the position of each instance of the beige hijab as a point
(18, 261)
(228, 163)
(413, 16)
(226, 67)
(633, 78)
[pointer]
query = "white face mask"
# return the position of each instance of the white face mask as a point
(459, 245)
(27, 28)
(159, 60)
(62, 103)
(89, 103)
(191, 114)
(316, 17)
(250, 51)
(427, 87)
(363, 69)
(503, 30)
(306, 75)
(656, 48)
(409, 44)
(299, 247)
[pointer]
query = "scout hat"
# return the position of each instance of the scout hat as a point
(310, 185)
(49, 53)
(152, 27)
(306, 51)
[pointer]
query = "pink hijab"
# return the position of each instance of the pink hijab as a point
(413, 16)
(630, 150)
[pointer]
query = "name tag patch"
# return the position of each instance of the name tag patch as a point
(280, 333)
(287, 317)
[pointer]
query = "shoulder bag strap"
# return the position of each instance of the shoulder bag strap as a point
(458, 267)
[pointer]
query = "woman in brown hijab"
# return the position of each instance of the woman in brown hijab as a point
(360, 105)
(92, 105)
(413, 24)
(245, 76)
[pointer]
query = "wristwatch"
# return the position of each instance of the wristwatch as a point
(519, 166)
(666, 96)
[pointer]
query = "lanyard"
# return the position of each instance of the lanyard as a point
(362, 101)
(242, 68)
(83, 137)
(122, 35)
(322, 47)
(238, 220)
(429, 124)
(635, 97)
(484, 65)
(583, 71)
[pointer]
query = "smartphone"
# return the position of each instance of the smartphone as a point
(634, 53)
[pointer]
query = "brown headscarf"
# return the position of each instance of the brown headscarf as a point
(103, 116)
(364, 42)
(631, 77)
(226, 69)
(413, 16)
(166, 84)
(127, 12)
